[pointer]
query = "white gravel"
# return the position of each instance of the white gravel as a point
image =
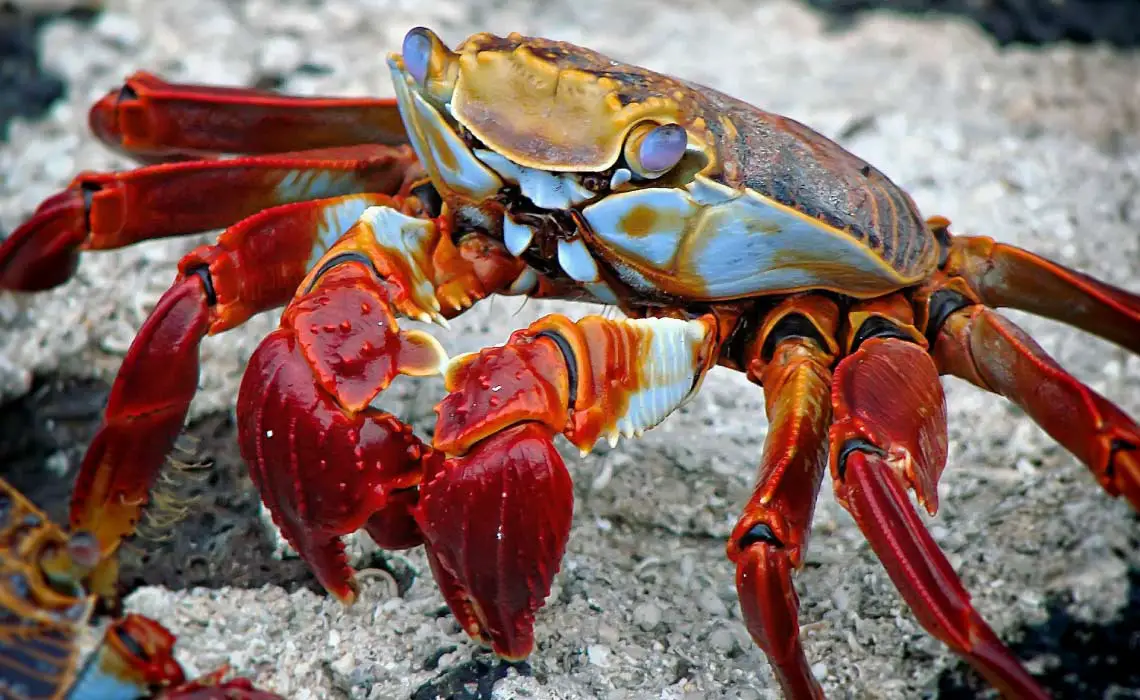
(1036, 147)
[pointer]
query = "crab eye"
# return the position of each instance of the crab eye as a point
(653, 150)
(416, 52)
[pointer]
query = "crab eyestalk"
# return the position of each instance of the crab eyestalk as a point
(424, 78)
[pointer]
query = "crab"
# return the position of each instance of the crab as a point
(44, 605)
(727, 235)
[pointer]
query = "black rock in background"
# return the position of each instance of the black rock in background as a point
(208, 532)
(1115, 22)
(26, 90)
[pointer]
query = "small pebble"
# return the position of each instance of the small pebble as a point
(647, 616)
(711, 603)
(599, 655)
(723, 640)
(608, 634)
(344, 665)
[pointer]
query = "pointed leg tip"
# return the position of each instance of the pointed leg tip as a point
(517, 652)
(347, 596)
(340, 584)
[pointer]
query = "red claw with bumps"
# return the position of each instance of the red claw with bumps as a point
(308, 390)
(497, 517)
(470, 499)
(496, 522)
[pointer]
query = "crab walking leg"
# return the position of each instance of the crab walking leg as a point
(890, 434)
(770, 539)
(1003, 275)
(326, 462)
(981, 346)
(150, 119)
(136, 659)
(255, 265)
(135, 656)
(496, 514)
(101, 211)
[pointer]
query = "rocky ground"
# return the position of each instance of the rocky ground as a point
(1036, 145)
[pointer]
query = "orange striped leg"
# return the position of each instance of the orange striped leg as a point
(791, 359)
(890, 434)
(1004, 275)
(101, 211)
(152, 120)
(986, 349)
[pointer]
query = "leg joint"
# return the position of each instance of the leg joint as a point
(942, 305)
(571, 362)
(760, 532)
(203, 272)
(852, 445)
(338, 260)
(794, 325)
(878, 327)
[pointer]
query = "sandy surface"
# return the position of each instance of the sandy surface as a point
(1036, 147)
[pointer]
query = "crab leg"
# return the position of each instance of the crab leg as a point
(150, 119)
(101, 211)
(1003, 275)
(137, 654)
(984, 348)
(255, 265)
(890, 433)
(326, 462)
(771, 536)
(496, 514)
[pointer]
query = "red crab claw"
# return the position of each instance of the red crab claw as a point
(43, 252)
(136, 653)
(213, 687)
(326, 462)
(496, 519)
(255, 265)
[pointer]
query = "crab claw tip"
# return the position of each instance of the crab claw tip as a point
(496, 522)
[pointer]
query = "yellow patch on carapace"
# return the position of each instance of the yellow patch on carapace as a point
(545, 113)
(640, 221)
(730, 131)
